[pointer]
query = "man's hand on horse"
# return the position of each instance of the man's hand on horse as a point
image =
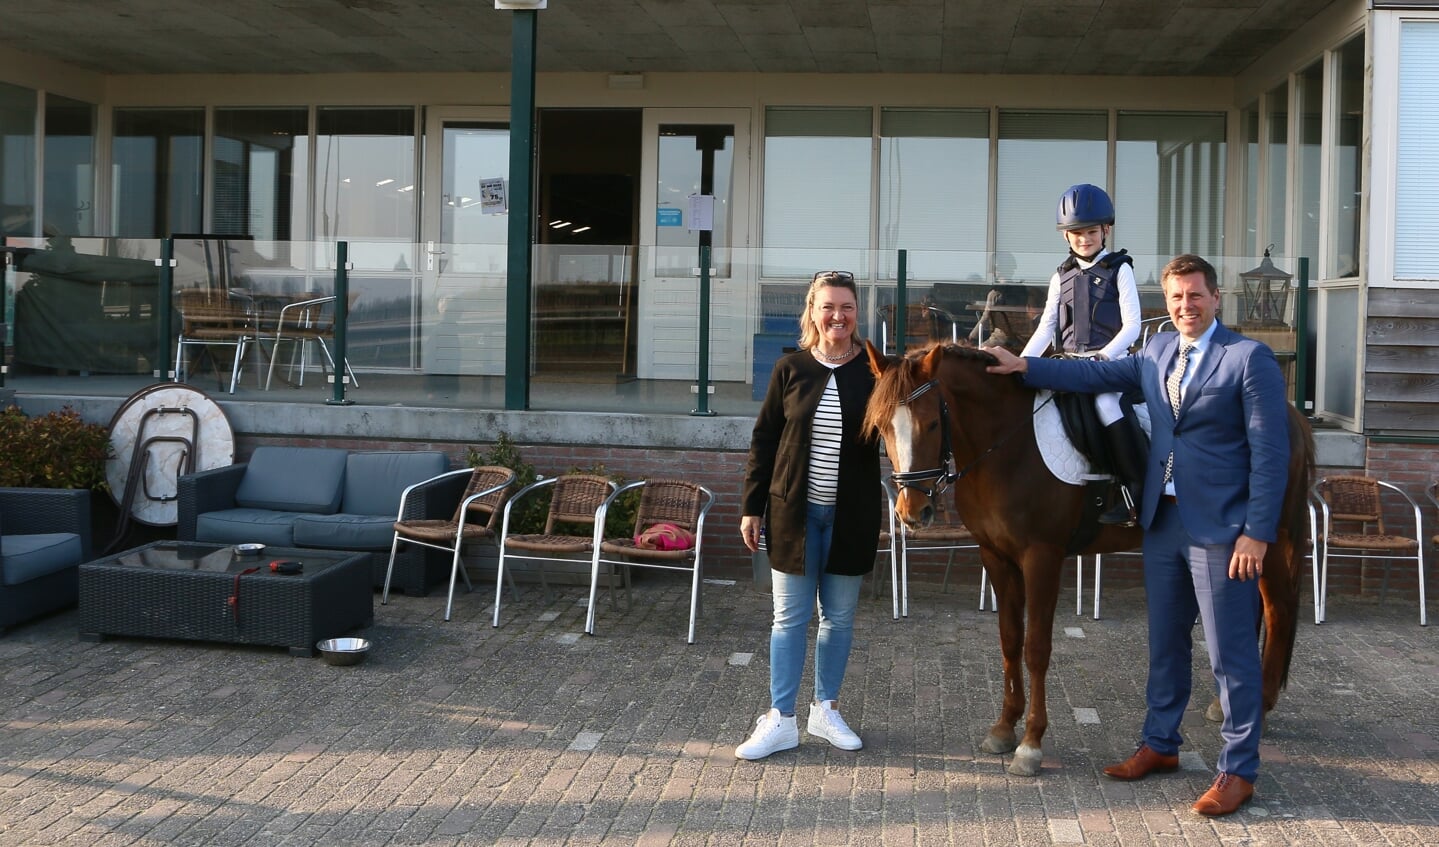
(1008, 362)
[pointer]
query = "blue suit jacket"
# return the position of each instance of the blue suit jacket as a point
(1230, 441)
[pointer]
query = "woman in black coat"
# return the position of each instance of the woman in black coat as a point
(812, 482)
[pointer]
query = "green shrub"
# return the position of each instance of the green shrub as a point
(57, 450)
(529, 517)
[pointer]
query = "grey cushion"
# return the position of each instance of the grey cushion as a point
(293, 479)
(375, 481)
(244, 526)
(26, 557)
(345, 532)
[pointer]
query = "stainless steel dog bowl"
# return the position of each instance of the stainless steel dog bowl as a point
(343, 651)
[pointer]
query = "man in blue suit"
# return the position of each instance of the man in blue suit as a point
(1212, 498)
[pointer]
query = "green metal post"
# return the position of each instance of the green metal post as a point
(6, 258)
(901, 300)
(703, 378)
(342, 319)
(164, 310)
(1303, 396)
(522, 216)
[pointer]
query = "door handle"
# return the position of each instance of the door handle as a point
(430, 254)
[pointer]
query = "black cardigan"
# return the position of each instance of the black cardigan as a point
(776, 480)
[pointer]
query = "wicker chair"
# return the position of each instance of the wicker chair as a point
(669, 501)
(947, 532)
(474, 520)
(574, 500)
(1432, 492)
(307, 321)
(212, 317)
(1352, 519)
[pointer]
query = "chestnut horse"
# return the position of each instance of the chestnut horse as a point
(943, 419)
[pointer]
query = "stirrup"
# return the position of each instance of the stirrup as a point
(1122, 513)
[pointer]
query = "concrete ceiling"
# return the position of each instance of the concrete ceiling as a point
(1126, 37)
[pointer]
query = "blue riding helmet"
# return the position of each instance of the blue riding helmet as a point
(1082, 206)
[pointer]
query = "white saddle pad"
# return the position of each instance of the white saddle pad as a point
(1060, 456)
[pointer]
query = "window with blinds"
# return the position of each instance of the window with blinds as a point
(1416, 215)
(1169, 187)
(934, 192)
(817, 168)
(1042, 153)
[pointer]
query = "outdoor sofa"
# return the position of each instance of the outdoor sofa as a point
(44, 536)
(325, 498)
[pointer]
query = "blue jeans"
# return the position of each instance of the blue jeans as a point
(794, 605)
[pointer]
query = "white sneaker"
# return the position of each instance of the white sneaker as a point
(772, 732)
(825, 722)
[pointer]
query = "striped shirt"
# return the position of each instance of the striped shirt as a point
(824, 445)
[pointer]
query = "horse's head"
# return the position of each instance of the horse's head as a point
(907, 409)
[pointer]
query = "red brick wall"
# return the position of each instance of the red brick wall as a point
(1410, 466)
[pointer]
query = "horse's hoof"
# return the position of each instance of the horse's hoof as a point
(1215, 712)
(997, 744)
(1027, 761)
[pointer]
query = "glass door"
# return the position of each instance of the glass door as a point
(464, 233)
(677, 143)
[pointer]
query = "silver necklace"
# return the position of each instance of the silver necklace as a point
(840, 358)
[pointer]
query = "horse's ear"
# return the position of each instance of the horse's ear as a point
(877, 361)
(930, 365)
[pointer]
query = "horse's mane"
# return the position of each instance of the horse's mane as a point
(902, 376)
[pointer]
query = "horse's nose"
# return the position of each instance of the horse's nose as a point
(926, 516)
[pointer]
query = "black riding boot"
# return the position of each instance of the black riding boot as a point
(1128, 457)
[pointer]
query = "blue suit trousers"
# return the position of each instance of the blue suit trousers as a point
(1184, 579)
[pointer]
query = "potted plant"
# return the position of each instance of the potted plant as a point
(58, 450)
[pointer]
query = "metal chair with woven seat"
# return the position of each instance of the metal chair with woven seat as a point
(676, 502)
(575, 498)
(1432, 492)
(947, 532)
(474, 520)
(1351, 512)
(212, 317)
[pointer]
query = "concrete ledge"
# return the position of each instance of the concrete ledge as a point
(1336, 448)
(462, 426)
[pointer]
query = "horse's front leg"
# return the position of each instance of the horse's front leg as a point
(1041, 596)
(1009, 589)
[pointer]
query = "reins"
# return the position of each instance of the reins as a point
(945, 474)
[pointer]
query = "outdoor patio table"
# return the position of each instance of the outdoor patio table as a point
(207, 592)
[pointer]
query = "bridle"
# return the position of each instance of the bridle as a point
(943, 475)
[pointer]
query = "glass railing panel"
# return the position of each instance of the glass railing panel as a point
(458, 321)
(613, 328)
(82, 308)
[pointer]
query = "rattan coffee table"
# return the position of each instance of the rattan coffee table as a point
(207, 592)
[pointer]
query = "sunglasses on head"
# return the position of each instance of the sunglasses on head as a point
(840, 276)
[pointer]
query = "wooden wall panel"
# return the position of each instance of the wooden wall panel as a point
(1404, 302)
(1402, 388)
(1403, 331)
(1422, 418)
(1401, 360)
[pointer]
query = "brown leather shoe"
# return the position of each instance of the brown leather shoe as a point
(1228, 793)
(1144, 762)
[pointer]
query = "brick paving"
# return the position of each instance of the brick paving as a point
(456, 733)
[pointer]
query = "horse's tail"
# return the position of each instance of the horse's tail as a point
(1295, 524)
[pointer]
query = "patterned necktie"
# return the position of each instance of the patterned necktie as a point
(1172, 386)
